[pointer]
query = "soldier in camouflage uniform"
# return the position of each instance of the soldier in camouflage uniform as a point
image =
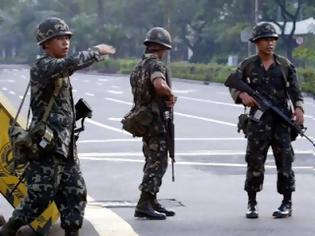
(150, 87)
(55, 175)
(275, 78)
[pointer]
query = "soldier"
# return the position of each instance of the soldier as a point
(55, 175)
(274, 77)
(150, 88)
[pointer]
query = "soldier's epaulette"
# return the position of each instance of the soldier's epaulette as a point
(247, 61)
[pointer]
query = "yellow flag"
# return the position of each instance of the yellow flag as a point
(11, 187)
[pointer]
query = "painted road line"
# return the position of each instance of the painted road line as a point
(114, 119)
(89, 94)
(115, 92)
(185, 163)
(12, 92)
(107, 127)
(106, 222)
(183, 114)
(118, 101)
(176, 139)
(192, 153)
(210, 101)
(176, 91)
(205, 119)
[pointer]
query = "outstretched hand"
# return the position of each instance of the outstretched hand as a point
(106, 49)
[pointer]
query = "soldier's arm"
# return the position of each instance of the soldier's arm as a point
(161, 88)
(294, 89)
(77, 61)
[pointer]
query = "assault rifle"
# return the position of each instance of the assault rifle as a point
(235, 81)
(170, 137)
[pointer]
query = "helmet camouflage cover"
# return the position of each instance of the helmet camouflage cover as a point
(159, 36)
(50, 28)
(264, 30)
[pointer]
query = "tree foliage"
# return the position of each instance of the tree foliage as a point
(202, 30)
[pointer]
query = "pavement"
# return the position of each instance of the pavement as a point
(207, 195)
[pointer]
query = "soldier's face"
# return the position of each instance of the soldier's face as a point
(58, 47)
(266, 45)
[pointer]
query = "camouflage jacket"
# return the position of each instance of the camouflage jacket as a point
(44, 72)
(141, 80)
(279, 82)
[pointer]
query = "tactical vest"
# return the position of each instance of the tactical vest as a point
(248, 64)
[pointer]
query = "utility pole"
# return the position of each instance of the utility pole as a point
(168, 6)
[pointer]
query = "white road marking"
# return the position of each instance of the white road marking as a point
(200, 153)
(7, 80)
(118, 101)
(205, 119)
(12, 92)
(176, 139)
(183, 91)
(105, 221)
(102, 80)
(115, 92)
(187, 163)
(90, 94)
(99, 84)
(210, 101)
(114, 119)
(4, 89)
(107, 127)
(182, 114)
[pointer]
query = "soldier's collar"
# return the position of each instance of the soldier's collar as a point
(276, 59)
(150, 55)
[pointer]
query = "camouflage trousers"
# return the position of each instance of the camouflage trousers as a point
(262, 135)
(54, 178)
(155, 152)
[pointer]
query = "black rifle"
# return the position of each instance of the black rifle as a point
(235, 81)
(170, 137)
(168, 115)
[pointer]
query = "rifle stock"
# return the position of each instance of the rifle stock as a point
(235, 81)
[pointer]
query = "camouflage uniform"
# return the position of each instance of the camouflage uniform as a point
(278, 83)
(56, 176)
(154, 141)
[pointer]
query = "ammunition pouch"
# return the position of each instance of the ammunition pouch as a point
(137, 121)
(243, 123)
(30, 144)
(82, 109)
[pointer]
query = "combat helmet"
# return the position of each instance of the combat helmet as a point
(50, 28)
(263, 30)
(160, 36)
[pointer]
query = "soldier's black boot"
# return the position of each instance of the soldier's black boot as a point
(11, 227)
(71, 232)
(145, 208)
(2, 220)
(158, 207)
(252, 212)
(285, 210)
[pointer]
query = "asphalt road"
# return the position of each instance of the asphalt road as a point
(208, 194)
